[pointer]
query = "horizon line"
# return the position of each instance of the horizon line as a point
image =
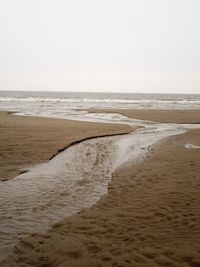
(104, 92)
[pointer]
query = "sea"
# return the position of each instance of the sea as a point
(61, 104)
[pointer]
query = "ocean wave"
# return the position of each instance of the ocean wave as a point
(95, 100)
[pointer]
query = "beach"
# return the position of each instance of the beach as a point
(150, 215)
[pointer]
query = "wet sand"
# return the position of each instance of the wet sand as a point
(150, 216)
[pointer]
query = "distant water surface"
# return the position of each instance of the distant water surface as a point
(59, 104)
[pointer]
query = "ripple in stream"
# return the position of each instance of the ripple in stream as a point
(74, 179)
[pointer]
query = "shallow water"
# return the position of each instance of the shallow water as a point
(76, 178)
(191, 146)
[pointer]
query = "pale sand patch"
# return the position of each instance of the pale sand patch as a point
(150, 216)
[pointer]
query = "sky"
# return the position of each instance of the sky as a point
(149, 46)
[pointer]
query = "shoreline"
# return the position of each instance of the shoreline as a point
(182, 116)
(148, 218)
(88, 139)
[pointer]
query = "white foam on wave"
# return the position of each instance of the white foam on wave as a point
(100, 100)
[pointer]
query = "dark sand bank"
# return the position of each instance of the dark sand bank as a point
(25, 141)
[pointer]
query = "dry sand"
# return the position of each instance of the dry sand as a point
(150, 216)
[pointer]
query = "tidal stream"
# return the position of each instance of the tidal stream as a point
(74, 179)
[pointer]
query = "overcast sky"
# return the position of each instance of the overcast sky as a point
(100, 45)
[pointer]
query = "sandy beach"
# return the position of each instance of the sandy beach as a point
(150, 216)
